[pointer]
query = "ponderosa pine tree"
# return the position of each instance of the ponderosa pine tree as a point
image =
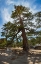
(23, 16)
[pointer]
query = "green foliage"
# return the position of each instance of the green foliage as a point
(38, 19)
(10, 30)
(18, 11)
(38, 40)
(19, 44)
(3, 44)
(32, 41)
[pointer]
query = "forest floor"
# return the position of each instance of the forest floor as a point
(17, 56)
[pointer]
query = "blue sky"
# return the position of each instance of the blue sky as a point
(6, 7)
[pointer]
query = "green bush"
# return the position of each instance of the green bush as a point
(3, 44)
(19, 44)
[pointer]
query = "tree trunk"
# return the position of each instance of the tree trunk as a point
(25, 43)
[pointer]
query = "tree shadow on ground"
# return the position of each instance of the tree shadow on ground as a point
(5, 57)
(20, 57)
(34, 57)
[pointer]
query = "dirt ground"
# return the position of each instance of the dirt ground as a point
(17, 56)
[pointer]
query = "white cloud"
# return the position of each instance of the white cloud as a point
(19, 2)
(6, 15)
(9, 2)
(25, 3)
(5, 12)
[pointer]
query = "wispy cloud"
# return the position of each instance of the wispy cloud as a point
(6, 12)
(6, 15)
(18, 2)
(9, 2)
(26, 3)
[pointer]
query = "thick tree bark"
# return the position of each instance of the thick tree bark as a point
(25, 42)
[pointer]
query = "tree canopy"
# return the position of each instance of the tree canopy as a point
(23, 23)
